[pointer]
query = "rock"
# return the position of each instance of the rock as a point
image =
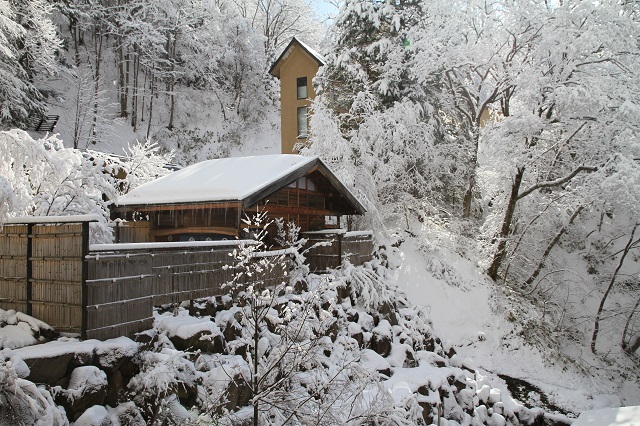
(237, 394)
(483, 394)
(465, 399)
(87, 387)
(429, 343)
(382, 338)
(381, 344)
(427, 412)
(94, 416)
(358, 337)
(50, 371)
(232, 332)
(128, 414)
(202, 340)
(352, 315)
(110, 356)
(343, 292)
(116, 387)
(451, 352)
(300, 286)
(409, 360)
(388, 312)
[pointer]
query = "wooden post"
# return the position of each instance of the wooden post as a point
(29, 273)
(339, 250)
(85, 276)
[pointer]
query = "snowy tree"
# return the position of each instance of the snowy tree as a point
(28, 45)
(143, 163)
(567, 120)
(278, 21)
(47, 179)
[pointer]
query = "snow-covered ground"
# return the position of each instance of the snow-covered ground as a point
(467, 313)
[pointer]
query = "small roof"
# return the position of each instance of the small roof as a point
(275, 68)
(246, 179)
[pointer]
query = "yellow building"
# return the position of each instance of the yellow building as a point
(296, 67)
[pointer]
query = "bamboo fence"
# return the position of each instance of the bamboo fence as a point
(356, 247)
(50, 271)
(42, 271)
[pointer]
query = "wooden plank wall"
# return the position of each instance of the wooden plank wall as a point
(356, 247)
(132, 232)
(41, 272)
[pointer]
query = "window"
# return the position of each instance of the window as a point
(303, 124)
(302, 87)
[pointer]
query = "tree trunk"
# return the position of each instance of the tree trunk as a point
(172, 83)
(614, 276)
(551, 245)
(134, 91)
(256, 361)
(122, 78)
(152, 86)
(498, 257)
(468, 196)
(97, 44)
(634, 346)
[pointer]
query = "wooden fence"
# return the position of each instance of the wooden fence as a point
(42, 272)
(356, 247)
(49, 270)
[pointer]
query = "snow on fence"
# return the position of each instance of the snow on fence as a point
(356, 247)
(49, 270)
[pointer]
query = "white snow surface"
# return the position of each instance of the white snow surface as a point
(185, 326)
(65, 345)
(54, 219)
(172, 244)
(465, 315)
(222, 179)
(17, 329)
(621, 416)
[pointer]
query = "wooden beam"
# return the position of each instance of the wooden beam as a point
(164, 207)
(195, 230)
(276, 210)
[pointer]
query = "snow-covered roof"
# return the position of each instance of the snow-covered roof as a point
(275, 69)
(318, 57)
(231, 179)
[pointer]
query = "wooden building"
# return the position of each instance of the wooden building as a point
(208, 200)
(296, 67)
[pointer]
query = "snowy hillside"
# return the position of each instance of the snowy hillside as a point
(505, 334)
(493, 144)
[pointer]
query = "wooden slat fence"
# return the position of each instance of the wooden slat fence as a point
(50, 271)
(357, 247)
(41, 271)
(125, 284)
(132, 232)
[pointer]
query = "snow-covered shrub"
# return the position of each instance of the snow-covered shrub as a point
(143, 162)
(22, 330)
(369, 284)
(22, 403)
(163, 377)
(47, 179)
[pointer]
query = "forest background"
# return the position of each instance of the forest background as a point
(502, 133)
